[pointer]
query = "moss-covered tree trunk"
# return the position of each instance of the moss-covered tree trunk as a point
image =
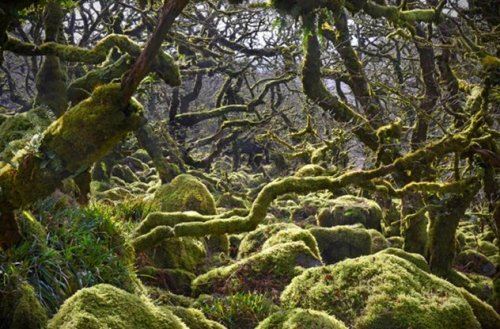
(69, 146)
(51, 78)
(444, 219)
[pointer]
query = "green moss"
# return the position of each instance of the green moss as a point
(187, 193)
(193, 318)
(104, 306)
(184, 253)
(175, 280)
(395, 242)
(293, 235)
(485, 314)
(17, 130)
(379, 242)
(474, 261)
(164, 297)
(229, 201)
(310, 170)
(381, 291)
(340, 242)
(301, 319)
(416, 259)
(349, 209)
(82, 87)
(242, 310)
(267, 271)
(124, 173)
(487, 248)
(51, 85)
(183, 193)
(71, 144)
(28, 313)
(253, 241)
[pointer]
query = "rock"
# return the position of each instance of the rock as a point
(293, 235)
(104, 306)
(184, 193)
(474, 261)
(396, 242)
(379, 242)
(267, 271)
(24, 308)
(349, 209)
(381, 291)
(301, 319)
(310, 170)
(193, 318)
(253, 241)
(341, 242)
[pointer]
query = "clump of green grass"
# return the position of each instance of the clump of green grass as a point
(241, 310)
(66, 249)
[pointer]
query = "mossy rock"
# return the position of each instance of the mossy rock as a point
(293, 235)
(349, 209)
(416, 259)
(188, 193)
(186, 253)
(104, 306)
(229, 201)
(253, 241)
(379, 242)
(124, 173)
(381, 291)
(185, 193)
(341, 242)
(301, 319)
(396, 242)
(310, 170)
(23, 309)
(474, 261)
(267, 271)
(487, 248)
(175, 280)
(193, 318)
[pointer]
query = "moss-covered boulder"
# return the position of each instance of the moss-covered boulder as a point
(293, 235)
(416, 259)
(301, 319)
(104, 306)
(310, 170)
(193, 318)
(188, 193)
(341, 242)
(125, 173)
(22, 309)
(184, 253)
(473, 261)
(175, 280)
(253, 241)
(379, 242)
(185, 193)
(267, 271)
(349, 209)
(384, 291)
(230, 201)
(396, 241)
